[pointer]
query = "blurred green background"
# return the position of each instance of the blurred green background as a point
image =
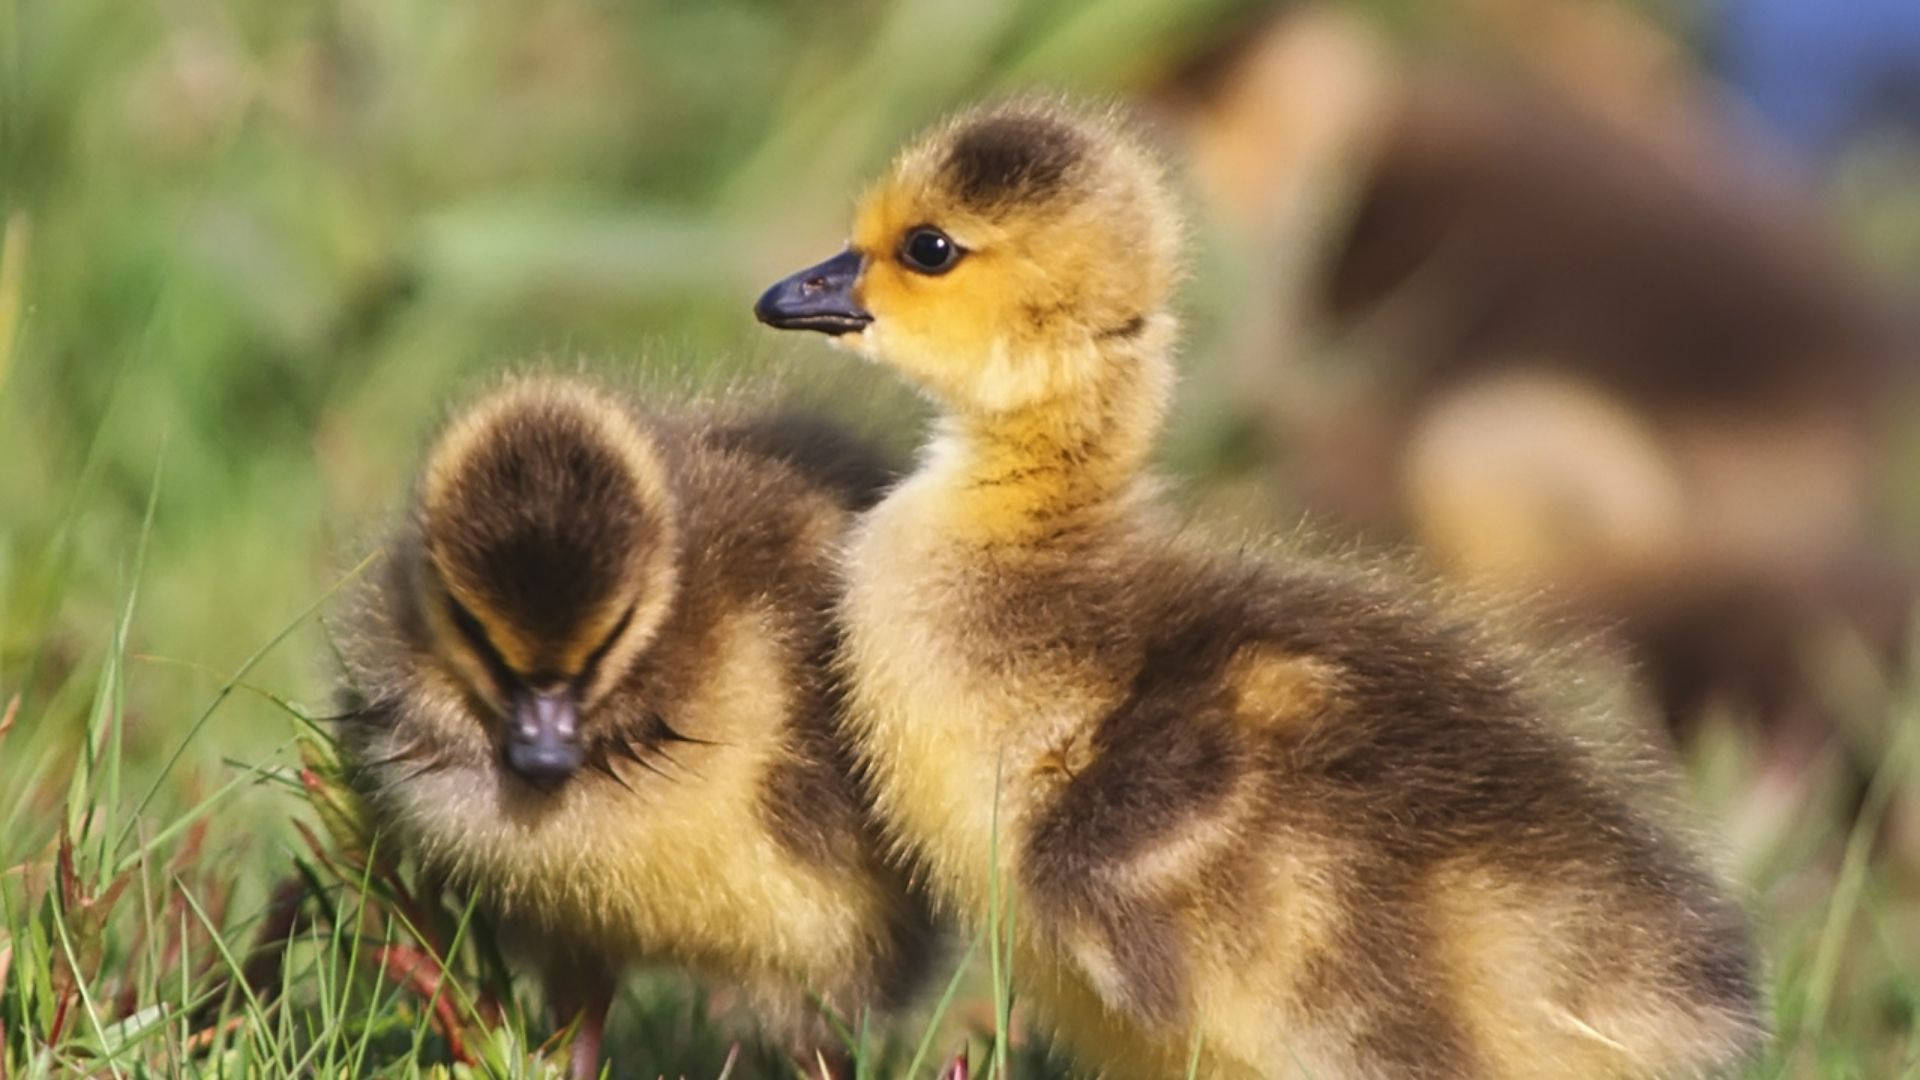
(253, 248)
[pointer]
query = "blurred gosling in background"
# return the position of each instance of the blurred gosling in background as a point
(1281, 817)
(1546, 322)
(592, 691)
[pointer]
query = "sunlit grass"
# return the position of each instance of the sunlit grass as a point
(127, 948)
(247, 251)
(124, 951)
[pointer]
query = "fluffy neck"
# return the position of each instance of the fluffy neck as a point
(1013, 475)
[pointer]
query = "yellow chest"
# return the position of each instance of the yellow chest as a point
(944, 718)
(676, 865)
(954, 731)
(595, 863)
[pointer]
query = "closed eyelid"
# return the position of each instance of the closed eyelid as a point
(475, 634)
(600, 651)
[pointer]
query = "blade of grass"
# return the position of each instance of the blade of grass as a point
(13, 274)
(94, 788)
(1002, 970)
(382, 955)
(256, 1012)
(184, 962)
(862, 1061)
(227, 688)
(319, 1040)
(1888, 940)
(446, 1009)
(149, 949)
(190, 817)
(6, 965)
(80, 981)
(1885, 784)
(836, 1023)
(39, 763)
(209, 670)
(127, 1033)
(940, 1008)
(57, 561)
(375, 1007)
(33, 956)
(112, 725)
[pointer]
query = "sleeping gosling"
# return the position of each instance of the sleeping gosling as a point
(1281, 817)
(592, 687)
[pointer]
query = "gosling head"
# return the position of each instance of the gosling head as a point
(1001, 259)
(549, 556)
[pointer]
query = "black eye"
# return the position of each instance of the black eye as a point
(929, 250)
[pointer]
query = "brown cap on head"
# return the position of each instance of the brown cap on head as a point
(1011, 158)
(550, 531)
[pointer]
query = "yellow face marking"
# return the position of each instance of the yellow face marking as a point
(657, 578)
(459, 654)
(934, 327)
(1021, 317)
(528, 656)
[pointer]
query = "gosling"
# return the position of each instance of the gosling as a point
(593, 693)
(1279, 818)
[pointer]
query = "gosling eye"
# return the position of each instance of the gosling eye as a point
(929, 251)
(504, 677)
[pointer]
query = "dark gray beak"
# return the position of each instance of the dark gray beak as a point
(543, 739)
(817, 298)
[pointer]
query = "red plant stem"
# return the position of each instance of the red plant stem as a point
(420, 973)
(958, 1068)
(59, 1018)
(203, 1038)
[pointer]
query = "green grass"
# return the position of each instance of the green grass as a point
(248, 248)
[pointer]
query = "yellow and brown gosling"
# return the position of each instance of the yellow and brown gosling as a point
(594, 692)
(1295, 818)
